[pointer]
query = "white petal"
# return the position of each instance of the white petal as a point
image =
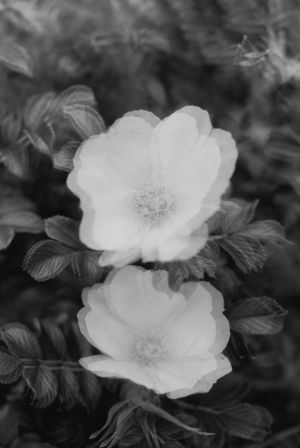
(151, 119)
(104, 366)
(222, 323)
(183, 373)
(123, 151)
(119, 258)
(229, 154)
(134, 298)
(195, 331)
(205, 384)
(201, 116)
(174, 138)
(103, 329)
(110, 227)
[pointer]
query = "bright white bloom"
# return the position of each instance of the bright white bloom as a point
(169, 342)
(148, 186)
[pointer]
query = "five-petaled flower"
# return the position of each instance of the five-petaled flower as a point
(147, 186)
(168, 341)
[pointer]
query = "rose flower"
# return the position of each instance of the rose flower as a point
(147, 186)
(170, 342)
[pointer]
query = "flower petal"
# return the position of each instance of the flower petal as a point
(183, 373)
(134, 298)
(194, 332)
(103, 329)
(172, 140)
(205, 384)
(104, 366)
(229, 155)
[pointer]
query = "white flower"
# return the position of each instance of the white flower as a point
(169, 342)
(148, 186)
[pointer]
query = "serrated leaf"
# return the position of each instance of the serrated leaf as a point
(257, 315)
(16, 160)
(37, 108)
(68, 388)
(244, 241)
(15, 58)
(195, 268)
(85, 120)
(47, 259)
(247, 421)
(16, 216)
(10, 368)
(21, 342)
(63, 159)
(56, 338)
(268, 231)
(86, 267)
(42, 382)
(38, 143)
(44, 137)
(90, 390)
(64, 230)
(247, 253)
(78, 94)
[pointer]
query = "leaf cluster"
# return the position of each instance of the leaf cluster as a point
(49, 258)
(47, 365)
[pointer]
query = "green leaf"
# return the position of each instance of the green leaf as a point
(205, 263)
(247, 253)
(10, 368)
(77, 95)
(16, 160)
(86, 267)
(64, 230)
(85, 120)
(257, 315)
(16, 58)
(41, 380)
(247, 421)
(47, 259)
(39, 107)
(247, 243)
(21, 342)
(69, 389)
(43, 137)
(56, 338)
(16, 216)
(63, 159)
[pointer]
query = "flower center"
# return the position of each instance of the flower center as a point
(148, 350)
(154, 204)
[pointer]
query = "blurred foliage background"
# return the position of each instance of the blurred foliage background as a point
(240, 60)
